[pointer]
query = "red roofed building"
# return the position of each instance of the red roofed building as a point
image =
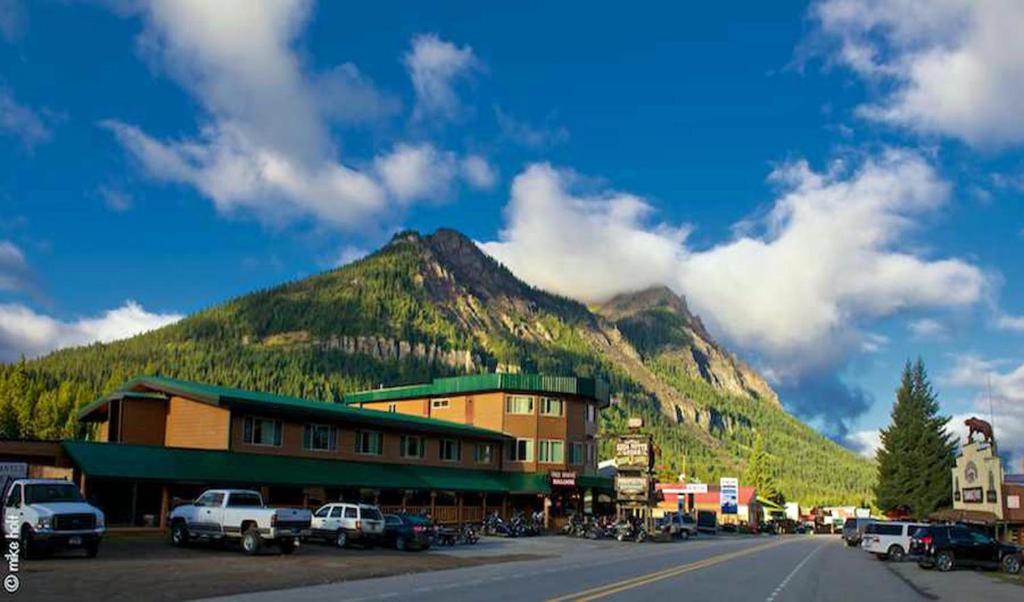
(750, 510)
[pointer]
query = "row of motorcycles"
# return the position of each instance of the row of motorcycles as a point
(605, 527)
(464, 534)
(519, 525)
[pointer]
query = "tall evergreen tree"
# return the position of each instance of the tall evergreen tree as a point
(916, 455)
(760, 470)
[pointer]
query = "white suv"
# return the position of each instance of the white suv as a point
(343, 523)
(889, 541)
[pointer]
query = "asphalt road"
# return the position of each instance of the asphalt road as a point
(769, 569)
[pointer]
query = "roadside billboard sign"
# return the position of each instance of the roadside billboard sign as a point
(729, 495)
(632, 487)
(633, 453)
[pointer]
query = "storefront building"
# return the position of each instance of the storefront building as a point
(160, 441)
(984, 495)
(679, 496)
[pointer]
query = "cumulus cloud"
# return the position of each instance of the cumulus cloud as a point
(1010, 322)
(15, 274)
(412, 172)
(949, 67)
(26, 332)
(927, 328)
(796, 288)
(1004, 381)
(264, 146)
(434, 66)
(529, 135)
(30, 126)
(865, 443)
(478, 173)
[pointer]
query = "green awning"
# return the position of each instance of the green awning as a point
(155, 463)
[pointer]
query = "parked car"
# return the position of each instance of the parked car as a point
(238, 514)
(947, 547)
(46, 515)
(678, 525)
(407, 531)
(889, 541)
(343, 523)
(853, 530)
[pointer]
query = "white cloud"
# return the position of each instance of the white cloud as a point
(30, 126)
(525, 134)
(1005, 383)
(865, 443)
(414, 172)
(434, 65)
(115, 200)
(478, 172)
(927, 328)
(264, 146)
(1010, 322)
(951, 67)
(15, 274)
(25, 332)
(832, 255)
(348, 254)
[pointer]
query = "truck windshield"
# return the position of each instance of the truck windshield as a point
(236, 500)
(51, 492)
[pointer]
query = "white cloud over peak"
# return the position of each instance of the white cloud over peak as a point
(15, 274)
(927, 328)
(26, 332)
(830, 256)
(265, 146)
(478, 173)
(434, 66)
(949, 67)
(412, 172)
(866, 442)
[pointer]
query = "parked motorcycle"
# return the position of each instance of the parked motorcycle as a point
(631, 529)
(468, 535)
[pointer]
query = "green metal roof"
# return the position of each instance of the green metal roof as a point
(593, 388)
(147, 462)
(268, 402)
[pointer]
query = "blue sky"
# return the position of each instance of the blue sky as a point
(835, 186)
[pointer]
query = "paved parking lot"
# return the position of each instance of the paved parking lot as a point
(145, 567)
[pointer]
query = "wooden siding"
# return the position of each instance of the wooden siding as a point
(196, 425)
(142, 421)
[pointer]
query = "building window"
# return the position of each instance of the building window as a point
(369, 443)
(519, 404)
(484, 453)
(521, 451)
(551, 451)
(412, 447)
(590, 453)
(438, 404)
(591, 412)
(320, 437)
(392, 407)
(552, 406)
(261, 431)
(576, 453)
(451, 450)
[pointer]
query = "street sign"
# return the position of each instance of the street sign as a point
(632, 487)
(729, 495)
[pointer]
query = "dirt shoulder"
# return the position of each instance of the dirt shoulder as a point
(146, 567)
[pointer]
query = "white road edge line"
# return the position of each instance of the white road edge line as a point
(796, 569)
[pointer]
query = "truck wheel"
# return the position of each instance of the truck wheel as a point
(944, 561)
(92, 548)
(896, 553)
(251, 541)
(341, 539)
(1011, 564)
(28, 546)
(400, 544)
(287, 546)
(179, 534)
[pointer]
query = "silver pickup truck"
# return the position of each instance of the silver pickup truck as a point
(223, 514)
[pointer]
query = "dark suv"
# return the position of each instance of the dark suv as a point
(853, 530)
(949, 546)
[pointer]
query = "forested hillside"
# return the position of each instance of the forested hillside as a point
(435, 305)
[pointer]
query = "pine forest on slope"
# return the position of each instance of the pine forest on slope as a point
(427, 306)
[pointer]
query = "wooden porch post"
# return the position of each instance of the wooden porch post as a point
(504, 505)
(433, 505)
(483, 509)
(405, 498)
(165, 506)
(458, 497)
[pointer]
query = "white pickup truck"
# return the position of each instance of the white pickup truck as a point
(49, 514)
(223, 514)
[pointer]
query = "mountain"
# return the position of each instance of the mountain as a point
(425, 306)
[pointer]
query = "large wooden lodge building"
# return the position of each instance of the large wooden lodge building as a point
(457, 447)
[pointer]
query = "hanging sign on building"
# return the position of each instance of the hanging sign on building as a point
(973, 495)
(563, 478)
(632, 487)
(729, 495)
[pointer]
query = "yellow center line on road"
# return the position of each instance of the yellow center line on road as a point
(621, 586)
